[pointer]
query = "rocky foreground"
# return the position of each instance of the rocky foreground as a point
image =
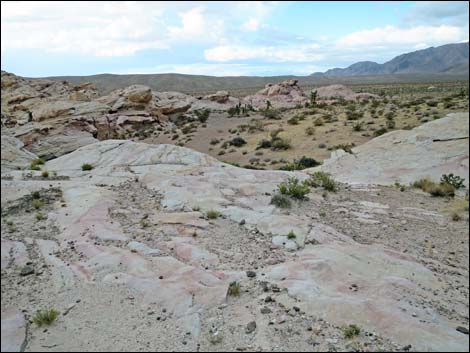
(131, 255)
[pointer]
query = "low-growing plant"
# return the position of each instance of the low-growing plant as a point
(456, 181)
(442, 189)
(324, 180)
(35, 195)
(86, 167)
(294, 188)
(233, 289)
(37, 204)
(280, 200)
(237, 142)
(45, 317)
(291, 235)
(45, 174)
(212, 214)
(351, 331)
(39, 216)
(202, 114)
(380, 131)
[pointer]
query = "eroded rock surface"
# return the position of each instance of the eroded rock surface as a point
(286, 94)
(133, 233)
(430, 150)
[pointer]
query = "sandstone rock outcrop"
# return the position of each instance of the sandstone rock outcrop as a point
(404, 156)
(14, 156)
(341, 92)
(286, 94)
(191, 279)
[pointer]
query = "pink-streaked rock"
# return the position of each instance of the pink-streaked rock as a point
(13, 330)
(322, 277)
(191, 219)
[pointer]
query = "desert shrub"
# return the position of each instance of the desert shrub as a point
(319, 122)
(233, 289)
(353, 115)
(293, 121)
(37, 204)
(35, 195)
(271, 114)
(294, 188)
(202, 114)
(456, 217)
(237, 142)
(264, 144)
(442, 189)
(291, 235)
(358, 126)
(45, 174)
(351, 331)
(280, 144)
(390, 124)
(212, 214)
(302, 163)
(310, 131)
(214, 141)
(86, 167)
(380, 131)
(45, 317)
(280, 201)
(39, 216)
(456, 181)
(324, 180)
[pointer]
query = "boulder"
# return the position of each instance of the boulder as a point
(286, 94)
(14, 156)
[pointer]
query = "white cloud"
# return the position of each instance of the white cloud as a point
(391, 35)
(89, 28)
(251, 25)
(304, 53)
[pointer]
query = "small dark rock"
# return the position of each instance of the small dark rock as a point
(250, 327)
(462, 329)
(250, 274)
(242, 222)
(27, 270)
(265, 310)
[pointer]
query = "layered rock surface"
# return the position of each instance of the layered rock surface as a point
(430, 150)
(131, 233)
(286, 94)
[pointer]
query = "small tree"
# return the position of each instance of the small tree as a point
(313, 98)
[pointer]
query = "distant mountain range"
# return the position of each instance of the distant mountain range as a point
(447, 62)
(446, 59)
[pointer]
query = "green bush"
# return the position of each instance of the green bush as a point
(291, 235)
(351, 331)
(280, 144)
(294, 188)
(237, 142)
(212, 214)
(324, 180)
(86, 167)
(280, 201)
(202, 115)
(45, 317)
(233, 289)
(456, 181)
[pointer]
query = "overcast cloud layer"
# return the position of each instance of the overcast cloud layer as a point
(227, 38)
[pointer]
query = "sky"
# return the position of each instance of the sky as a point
(255, 38)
